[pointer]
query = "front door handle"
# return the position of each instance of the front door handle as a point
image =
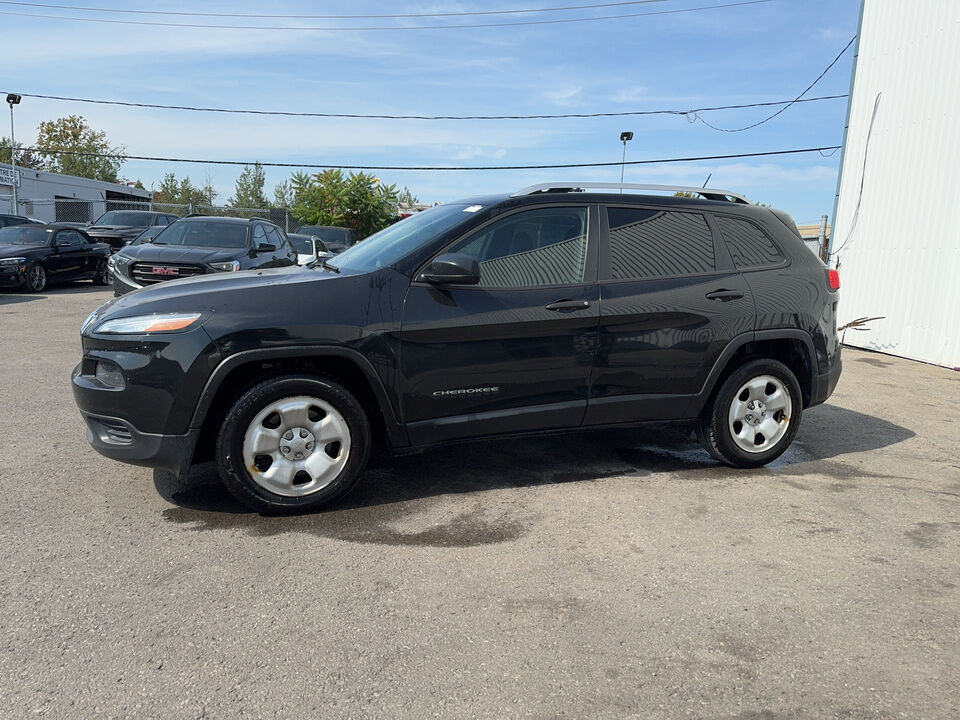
(725, 295)
(566, 306)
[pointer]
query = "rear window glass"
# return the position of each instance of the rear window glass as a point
(204, 234)
(749, 246)
(648, 243)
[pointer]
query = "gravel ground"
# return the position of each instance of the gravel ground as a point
(588, 576)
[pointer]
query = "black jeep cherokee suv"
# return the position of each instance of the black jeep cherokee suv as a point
(547, 310)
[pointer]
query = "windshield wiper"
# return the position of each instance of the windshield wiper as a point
(328, 266)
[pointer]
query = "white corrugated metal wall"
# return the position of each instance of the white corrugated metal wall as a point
(899, 254)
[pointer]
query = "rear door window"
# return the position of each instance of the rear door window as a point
(749, 245)
(650, 243)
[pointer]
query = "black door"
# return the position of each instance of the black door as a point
(70, 258)
(513, 353)
(670, 303)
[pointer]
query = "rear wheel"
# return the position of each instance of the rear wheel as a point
(36, 278)
(102, 276)
(754, 416)
(293, 443)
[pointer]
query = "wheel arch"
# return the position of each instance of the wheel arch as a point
(794, 348)
(239, 372)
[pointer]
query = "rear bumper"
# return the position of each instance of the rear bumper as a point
(118, 439)
(825, 383)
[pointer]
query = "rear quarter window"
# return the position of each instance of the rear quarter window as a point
(749, 246)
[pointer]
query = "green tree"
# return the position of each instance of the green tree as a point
(25, 158)
(73, 134)
(406, 197)
(249, 189)
(359, 201)
(184, 192)
(283, 195)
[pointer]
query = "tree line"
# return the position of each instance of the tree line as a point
(356, 200)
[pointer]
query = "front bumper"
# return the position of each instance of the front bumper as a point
(122, 284)
(13, 276)
(118, 439)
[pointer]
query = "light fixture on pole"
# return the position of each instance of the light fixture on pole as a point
(11, 101)
(624, 137)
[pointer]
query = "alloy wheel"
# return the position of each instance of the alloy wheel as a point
(759, 414)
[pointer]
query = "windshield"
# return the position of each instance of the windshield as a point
(24, 235)
(400, 239)
(148, 234)
(120, 217)
(204, 234)
(327, 234)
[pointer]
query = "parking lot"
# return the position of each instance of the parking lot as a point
(609, 574)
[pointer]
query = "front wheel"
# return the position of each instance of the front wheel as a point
(754, 416)
(293, 443)
(36, 278)
(102, 276)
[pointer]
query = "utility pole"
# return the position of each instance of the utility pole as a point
(624, 137)
(11, 101)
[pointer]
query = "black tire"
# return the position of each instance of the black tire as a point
(102, 276)
(230, 461)
(36, 280)
(714, 426)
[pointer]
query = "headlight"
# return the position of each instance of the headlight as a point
(12, 261)
(141, 324)
(231, 266)
(112, 262)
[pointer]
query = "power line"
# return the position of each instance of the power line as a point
(789, 104)
(285, 113)
(185, 13)
(433, 168)
(381, 27)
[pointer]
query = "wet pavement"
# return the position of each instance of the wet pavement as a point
(602, 574)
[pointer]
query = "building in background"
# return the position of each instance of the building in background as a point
(896, 229)
(65, 198)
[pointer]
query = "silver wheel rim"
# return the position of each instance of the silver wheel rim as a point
(296, 446)
(37, 278)
(760, 414)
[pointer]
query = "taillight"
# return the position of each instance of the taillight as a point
(833, 279)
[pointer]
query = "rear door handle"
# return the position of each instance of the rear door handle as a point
(566, 306)
(725, 295)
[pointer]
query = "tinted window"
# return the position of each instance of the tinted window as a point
(24, 235)
(121, 217)
(530, 249)
(657, 243)
(70, 236)
(201, 233)
(301, 243)
(161, 220)
(276, 238)
(748, 245)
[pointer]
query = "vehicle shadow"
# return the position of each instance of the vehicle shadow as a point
(392, 491)
(11, 296)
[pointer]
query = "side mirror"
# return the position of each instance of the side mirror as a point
(265, 248)
(451, 269)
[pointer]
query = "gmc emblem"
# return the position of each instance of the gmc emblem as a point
(165, 271)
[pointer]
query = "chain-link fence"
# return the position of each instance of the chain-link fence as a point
(87, 211)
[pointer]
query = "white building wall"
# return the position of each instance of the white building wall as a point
(899, 255)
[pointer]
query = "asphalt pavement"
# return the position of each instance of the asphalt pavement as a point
(594, 575)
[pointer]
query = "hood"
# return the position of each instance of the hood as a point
(148, 252)
(8, 251)
(215, 289)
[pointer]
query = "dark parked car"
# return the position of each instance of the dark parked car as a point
(11, 220)
(34, 256)
(543, 311)
(118, 227)
(199, 245)
(337, 239)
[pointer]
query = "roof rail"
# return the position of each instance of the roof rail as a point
(708, 193)
(257, 217)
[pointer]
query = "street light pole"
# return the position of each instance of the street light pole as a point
(11, 101)
(624, 137)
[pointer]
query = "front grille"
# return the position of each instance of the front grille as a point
(147, 273)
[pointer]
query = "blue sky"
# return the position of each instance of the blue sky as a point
(753, 53)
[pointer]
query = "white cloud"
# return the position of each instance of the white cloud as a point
(568, 95)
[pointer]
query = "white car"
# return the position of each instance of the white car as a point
(309, 248)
